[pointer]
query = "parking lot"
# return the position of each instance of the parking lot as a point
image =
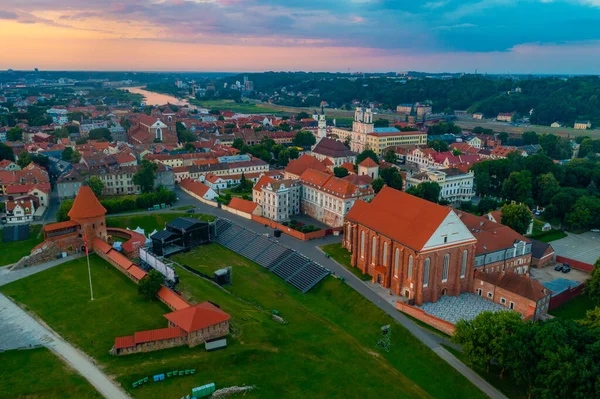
(583, 247)
(547, 274)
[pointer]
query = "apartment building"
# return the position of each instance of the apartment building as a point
(455, 185)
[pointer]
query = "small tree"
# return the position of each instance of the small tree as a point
(75, 157)
(378, 184)
(96, 185)
(592, 286)
(6, 152)
(149, 285)
(367, 154)
(517, 217)
(340, 172)
(145, 176)
(63, 210)
(390, 156)
(24, 159)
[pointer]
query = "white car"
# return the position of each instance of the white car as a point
(595, 230)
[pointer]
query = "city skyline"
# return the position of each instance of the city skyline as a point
(492, 36)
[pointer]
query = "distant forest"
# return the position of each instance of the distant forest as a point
(552, 99)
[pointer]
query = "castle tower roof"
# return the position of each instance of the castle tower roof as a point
(86, 205)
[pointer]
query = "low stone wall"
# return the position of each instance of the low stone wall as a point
(46, 253)
(244, 215)
(566, 296)
(211, 332)
(439, 324)
(151, 346)
(199, 198)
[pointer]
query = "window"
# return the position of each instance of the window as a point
(349, 232)
(512, 305)
(385, 252)
(490, 295)
(426, 272)
(463, 266)
(362, 244)
(410, 266)
(479, 292)
(503, 301)
(373, 250)
(446, 266)
(445, 239)
(396, 263)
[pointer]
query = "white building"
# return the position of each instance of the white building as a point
(280, 199)
(19, 211)
(455, 185)
(59, 115)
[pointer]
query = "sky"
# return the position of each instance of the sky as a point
(492, 36)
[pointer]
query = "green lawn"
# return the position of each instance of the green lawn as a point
(549, 236)
(38, 373)
(13, 251)
(342, 256)
(327, 349)
(504, 385)
(61, 297)
(229, 105)
(574, 309)
(183, 208)
(152, 221)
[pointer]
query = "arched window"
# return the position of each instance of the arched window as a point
(159, 133)
(463, 266)
(426, 272)
(446, 266)
(349, 232)
(410, 266)
(396, 262)
(385, 252)
(373, 250)
(362, 244)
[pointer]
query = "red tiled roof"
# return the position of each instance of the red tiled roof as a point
(86, 205)
(60, 225)
(242, 205)
(194, 186)
(124, 342)
(197, 317)
(157, 335)
(348, 166)
(171, 298)
(120, 259)
(137, 272)
(368, 163)
(297, 166)
(263, 182)
(490, 236)
(402, 217)
(520, 284)
(101, 245)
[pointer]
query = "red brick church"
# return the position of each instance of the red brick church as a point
(418, 249)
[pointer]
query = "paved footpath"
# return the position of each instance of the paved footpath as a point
(19, 330)
(311, 250)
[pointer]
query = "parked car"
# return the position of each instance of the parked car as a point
(191, 211)
(566, 269)
(595, 230)
(558, 268)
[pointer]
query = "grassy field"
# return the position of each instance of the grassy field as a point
(152, 221)
(574, 309)
(504, 385)
(229, 105)
(183, 208)
(549, 236)
(342, 256)
(327, 348)
(38, 373)
(13, 251)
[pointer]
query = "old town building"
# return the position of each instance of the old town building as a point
(280, 199)
(333, 150)
(418, 249)
(455, 185)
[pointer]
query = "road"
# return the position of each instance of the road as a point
(311, 250)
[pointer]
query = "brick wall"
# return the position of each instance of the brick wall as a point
(575, 264)
(439, 324)
(289, 231)
(566, 296)
(523, 305)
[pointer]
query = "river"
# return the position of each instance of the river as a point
(152, 98)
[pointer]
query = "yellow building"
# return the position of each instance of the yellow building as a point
(382, 138)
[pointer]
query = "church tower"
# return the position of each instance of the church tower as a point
(322, 131)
